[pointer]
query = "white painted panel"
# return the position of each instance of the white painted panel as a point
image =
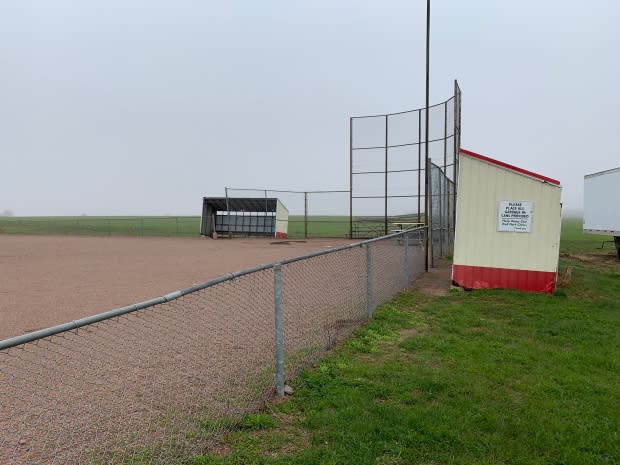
(281, 218)
(601, 203)
(481, 186)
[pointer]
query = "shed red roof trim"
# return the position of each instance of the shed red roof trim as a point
(510, 167)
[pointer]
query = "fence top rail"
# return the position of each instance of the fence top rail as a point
(405, 111)
(287, 191)
(75, 324)
(410, 144)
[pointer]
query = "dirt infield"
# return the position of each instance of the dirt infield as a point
(50, 280)
(163, 384)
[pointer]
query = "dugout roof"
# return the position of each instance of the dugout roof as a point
(241, 204)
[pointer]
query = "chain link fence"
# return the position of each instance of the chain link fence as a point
(390, 180)
(441, 213)
(161, 381)
(311, 213)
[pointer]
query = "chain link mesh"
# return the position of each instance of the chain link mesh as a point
(441, 193)
(162, 384)
(323, 299)
(390, 156)
(311, 213)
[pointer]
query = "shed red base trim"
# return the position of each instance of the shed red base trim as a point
(281, 235)
(482, 277)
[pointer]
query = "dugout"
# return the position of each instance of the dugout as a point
(247, 216)
(508, 223)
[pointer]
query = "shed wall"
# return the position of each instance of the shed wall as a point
(601, 203)
(281, 221)
(478, 243)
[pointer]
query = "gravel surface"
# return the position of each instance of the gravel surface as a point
(48, 280)
(158, 385)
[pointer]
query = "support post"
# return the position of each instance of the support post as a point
(457, 140)
(430, 239)
(385, 218)
(441, 219)
(419, 164)
(445, 204)
(306, 215)
(369, 298)
(350, 178)
(426, 164)
(406, 259)
(279, 333)
(228, 214)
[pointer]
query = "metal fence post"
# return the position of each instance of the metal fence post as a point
(228, 213)
(441, 218)
(406, 259)
(387, 144)
(305, 215)
(279, 336)
(369, 303)
(430, 235)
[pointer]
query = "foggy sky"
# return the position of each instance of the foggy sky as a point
(144, 106)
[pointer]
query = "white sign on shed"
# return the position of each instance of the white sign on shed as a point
(514, 216)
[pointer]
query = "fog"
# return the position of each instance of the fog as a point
(142, 107)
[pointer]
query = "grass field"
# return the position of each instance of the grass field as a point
(316, 226)
(102, 225)
(573, 238)
(482, 377)
(575, 241)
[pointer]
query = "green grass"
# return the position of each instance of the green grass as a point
(102, 226)
(318, 226)
(339, 226)
(574, 240)
(482, 377)
(184, 226)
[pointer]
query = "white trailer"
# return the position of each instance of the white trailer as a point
(601, 204)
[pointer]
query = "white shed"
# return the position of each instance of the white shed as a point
(508, 222)
(601, 204)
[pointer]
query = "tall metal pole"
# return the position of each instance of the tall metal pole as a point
(445, 195)
(457, 143)
(385, 218)
(426, 164)
(419, 164)
(351, 178)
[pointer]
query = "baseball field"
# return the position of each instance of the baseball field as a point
(167, 377)
(48, 280)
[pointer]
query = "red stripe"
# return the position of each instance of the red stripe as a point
(510, 167)
(483, 277)
(281, 235)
